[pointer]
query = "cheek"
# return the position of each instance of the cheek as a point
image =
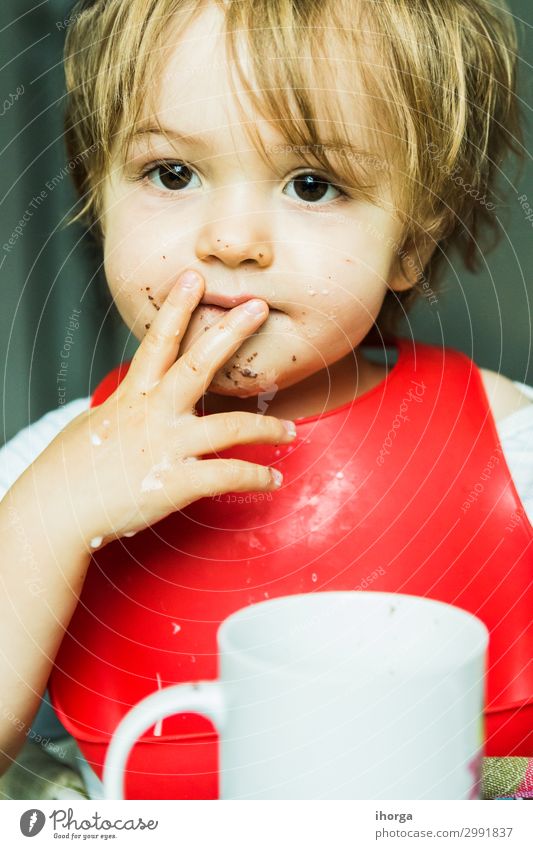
(350, 295)
(138, 273)
(361, 274)
(132, 253)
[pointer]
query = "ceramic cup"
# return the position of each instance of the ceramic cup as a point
(336, 695)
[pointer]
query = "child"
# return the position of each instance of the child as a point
(270, 182)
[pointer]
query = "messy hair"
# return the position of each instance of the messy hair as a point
(437, 79)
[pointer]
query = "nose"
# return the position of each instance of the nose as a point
(235, 239)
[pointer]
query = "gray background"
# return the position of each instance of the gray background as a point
(52, 270)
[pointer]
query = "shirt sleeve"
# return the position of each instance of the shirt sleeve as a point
(516, 437)
(17, 454)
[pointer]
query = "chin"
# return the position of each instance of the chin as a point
(240, 380)
(232, 389)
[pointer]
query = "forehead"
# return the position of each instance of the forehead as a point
(196, 82)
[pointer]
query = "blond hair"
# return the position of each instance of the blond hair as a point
(437, 77)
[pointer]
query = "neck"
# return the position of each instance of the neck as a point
(327, 389)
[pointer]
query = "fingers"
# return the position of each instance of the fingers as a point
(160, 346)
(224, 430)
(194, 371)
(213, 477)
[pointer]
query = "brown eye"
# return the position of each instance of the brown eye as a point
(312, 188)
(171, 176)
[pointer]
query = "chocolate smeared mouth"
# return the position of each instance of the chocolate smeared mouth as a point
(220, 310)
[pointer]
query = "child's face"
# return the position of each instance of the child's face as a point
(322, 265)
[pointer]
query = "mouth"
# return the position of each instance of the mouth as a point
(228, 302)
(218, 310)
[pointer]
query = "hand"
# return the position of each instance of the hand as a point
(136, 458)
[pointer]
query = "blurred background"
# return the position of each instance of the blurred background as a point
(52, 271)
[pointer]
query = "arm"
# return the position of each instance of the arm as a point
(115, 470)
(43, 567)
(504, 397)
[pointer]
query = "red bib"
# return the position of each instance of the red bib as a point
(405, 489)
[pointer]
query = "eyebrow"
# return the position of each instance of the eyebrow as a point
(176, 135)
(205, 146)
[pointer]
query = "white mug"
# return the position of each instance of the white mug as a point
(336, 695)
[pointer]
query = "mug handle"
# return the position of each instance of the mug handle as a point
(204, 697)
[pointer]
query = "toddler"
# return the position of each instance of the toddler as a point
(273, 184)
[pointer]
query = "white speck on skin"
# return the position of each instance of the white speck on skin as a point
(96, 542)
(152, 481)
(314, 577)
(130, 534)
(339, 475)
(176, 628)
(95, 439)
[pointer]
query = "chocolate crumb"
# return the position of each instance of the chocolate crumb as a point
(150, 297)
(246, 372)
(157, 306)
(147, 288)
(148, 326)
(228, 374)
(293, 358)
(164, 257)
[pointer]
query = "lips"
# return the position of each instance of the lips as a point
(226, 301)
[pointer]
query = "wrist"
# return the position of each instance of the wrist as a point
(41, 514)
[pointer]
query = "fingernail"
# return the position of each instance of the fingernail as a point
(255, 307)
(277, 477)
(289, 426)
(189, 280)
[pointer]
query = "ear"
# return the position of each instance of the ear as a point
(409, 262)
